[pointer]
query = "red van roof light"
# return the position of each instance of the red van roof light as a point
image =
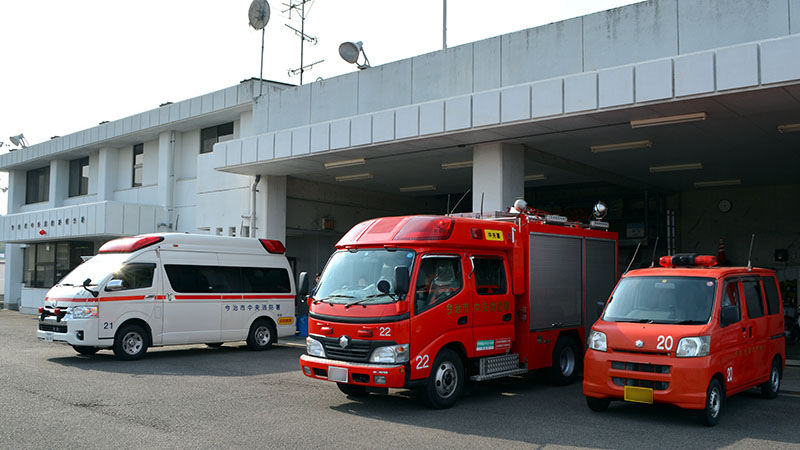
(129, 244)
(688, 259)
(426, 228)
(273, 245)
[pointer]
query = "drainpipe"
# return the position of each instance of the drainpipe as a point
(253, 191)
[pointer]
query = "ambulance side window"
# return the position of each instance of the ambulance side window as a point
(731, 297)
(752, 296)
(439, 279)
(490, 275)
(135, 276)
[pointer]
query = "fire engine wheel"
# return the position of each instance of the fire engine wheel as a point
(130, 343)
(446, 380)
(714, 399)
(85, 350)
(352, 390)
(597, 404)
(566, 362)
(770, 388)
(261, 336)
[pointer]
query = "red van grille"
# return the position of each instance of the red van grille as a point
(639, 367)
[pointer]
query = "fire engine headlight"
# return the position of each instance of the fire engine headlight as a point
(314, 347)
(82, 312)
(390, 354)
(689, 347)
(597, 341)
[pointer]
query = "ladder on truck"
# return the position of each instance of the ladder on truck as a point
(492, 367)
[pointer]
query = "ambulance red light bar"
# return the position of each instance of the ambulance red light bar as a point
(687, 260)
(422, 228)
(273, 246)
(129, 244)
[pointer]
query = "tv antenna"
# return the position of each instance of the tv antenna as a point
(258, 14)
(299, 7)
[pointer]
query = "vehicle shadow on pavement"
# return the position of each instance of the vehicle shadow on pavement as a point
(233, 360)
(531, 411)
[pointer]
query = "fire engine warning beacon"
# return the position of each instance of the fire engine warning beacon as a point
(687, 333)
(165, 289)
(445, 299)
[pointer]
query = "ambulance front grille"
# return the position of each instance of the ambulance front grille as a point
(52, 327)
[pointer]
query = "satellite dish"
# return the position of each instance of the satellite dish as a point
(349, 51)
(258, 14)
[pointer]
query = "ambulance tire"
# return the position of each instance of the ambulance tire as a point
(770, 388)
(130, 342)
(85, 349)
(566, 362)
(715, 397)
(352, 390)
(261, 336)
(446, 380)
(597, 404)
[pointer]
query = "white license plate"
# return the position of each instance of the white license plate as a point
(337, 374)
(48, 337)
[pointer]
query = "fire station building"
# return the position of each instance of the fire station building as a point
(683, 116)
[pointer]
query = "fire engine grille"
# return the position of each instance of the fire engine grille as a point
(639, 367)
(52, 327)
(655, 385)
(359, 350)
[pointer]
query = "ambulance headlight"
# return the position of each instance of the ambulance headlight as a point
(82, 312)
(390, 354)
(314, 347)
(597, 341)
(689, 347)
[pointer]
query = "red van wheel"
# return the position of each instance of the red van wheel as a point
(773, 385)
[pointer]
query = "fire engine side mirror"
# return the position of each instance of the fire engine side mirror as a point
(401, 280)
(302, 284)
(600, 307)
(729, 315)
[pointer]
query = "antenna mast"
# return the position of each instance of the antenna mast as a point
(299, 8)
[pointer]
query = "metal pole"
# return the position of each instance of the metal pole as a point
(302, 37)
(444, 24)
(261, 73)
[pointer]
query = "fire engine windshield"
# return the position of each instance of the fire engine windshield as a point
(351, 277)
(669, 300)
(95, 269)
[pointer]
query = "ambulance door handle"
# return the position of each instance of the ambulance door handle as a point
(462, 320)
(150, 296)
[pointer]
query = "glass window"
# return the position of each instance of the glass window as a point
(138, 164)
(211, 135)
(37, 185)
(79, 177)
(773, 299)
(490, 275)
(353, 276)
(752, 297)
(439, 279)
(135, 275)
(731, 297)
(204, 279)
(46, 263)
(263, 280)
(668, 300)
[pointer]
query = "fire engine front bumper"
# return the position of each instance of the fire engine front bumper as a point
(375, 375)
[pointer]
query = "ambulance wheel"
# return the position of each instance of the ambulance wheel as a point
(566, 362)
(446, 380)
(352, 390)
(261, 336)
(597, 404)
(85, 349)
(214, 344)
(773, 385)
(714, 399)
(130, 343)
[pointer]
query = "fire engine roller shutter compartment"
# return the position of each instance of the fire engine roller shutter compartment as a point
(555, 284)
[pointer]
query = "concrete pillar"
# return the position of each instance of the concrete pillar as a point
(59, 182)
(497, 175)
(107, 164)
(271, 208)
(16, 190)
(13, 274)
(166, 175)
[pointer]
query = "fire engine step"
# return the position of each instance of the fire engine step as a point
(498, 366)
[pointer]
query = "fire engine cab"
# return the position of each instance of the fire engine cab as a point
(431, 301)
(689, 334)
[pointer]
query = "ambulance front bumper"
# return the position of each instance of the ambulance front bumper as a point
(374, 375)
(71, 331)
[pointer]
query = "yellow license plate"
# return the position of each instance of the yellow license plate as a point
(638, 394)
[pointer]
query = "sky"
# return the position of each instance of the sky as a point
(68, 65)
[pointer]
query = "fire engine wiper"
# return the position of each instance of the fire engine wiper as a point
(324, 300)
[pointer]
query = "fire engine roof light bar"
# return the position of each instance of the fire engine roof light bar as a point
(425, 187)
(456, 165)
(675, 167)
(717, 183)
(789, 127)
(354, 177)
(668, 120)
(345, 163)
(535, 177)
(621, 146)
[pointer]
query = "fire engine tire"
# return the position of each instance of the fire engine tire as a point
(261, 336)
(566, 362)
(130, 343)
(773, 385)
(715, 397)
(446, 380)
(352, 390)
(214, 344)
(85, 349)
(597, 404)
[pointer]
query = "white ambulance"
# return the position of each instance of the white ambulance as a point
(172, 288)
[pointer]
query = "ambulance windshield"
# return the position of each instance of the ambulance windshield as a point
(351, 277)
(95, 269)
(669, 300)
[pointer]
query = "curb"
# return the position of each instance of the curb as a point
(793, 363)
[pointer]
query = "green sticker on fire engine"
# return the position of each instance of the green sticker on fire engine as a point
(485, 345)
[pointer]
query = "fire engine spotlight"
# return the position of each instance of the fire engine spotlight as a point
(520, 205)
(600, 210)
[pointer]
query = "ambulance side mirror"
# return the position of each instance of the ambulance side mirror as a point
(401, 280)
(302, 284)
(729, 315)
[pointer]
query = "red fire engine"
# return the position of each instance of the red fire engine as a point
(429, 301)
